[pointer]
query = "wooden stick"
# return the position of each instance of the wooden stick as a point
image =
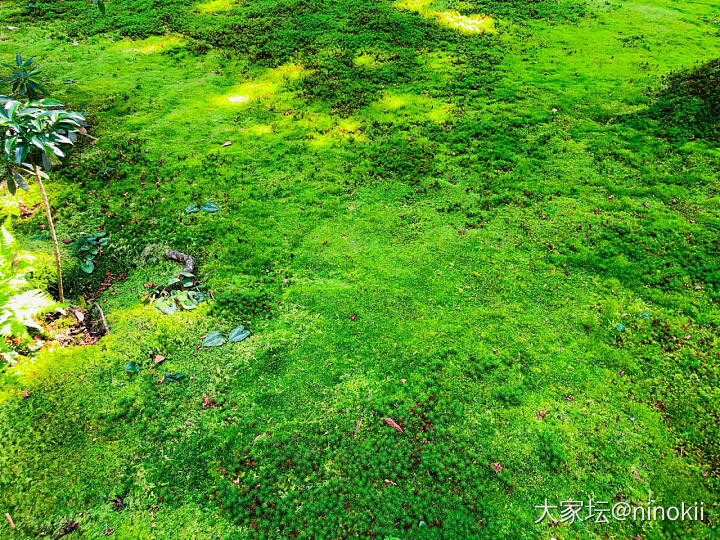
(10, 520)
(102, 318)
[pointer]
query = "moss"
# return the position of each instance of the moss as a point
(442, 228)
(688, 104)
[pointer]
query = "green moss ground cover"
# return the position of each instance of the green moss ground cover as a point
(506, 242)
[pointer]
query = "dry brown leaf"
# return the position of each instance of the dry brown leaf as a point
(390, 422)
(208, 402)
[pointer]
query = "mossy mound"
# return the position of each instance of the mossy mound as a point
(688, 104)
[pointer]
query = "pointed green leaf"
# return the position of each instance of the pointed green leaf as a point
(20, 181)
(166, 305)
(238, 334)
(87, 266)
(213, 339)
(209, 207)
(46, 161)
(173, 376)
(132, 367)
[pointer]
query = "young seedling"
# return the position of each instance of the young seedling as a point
(32, 135)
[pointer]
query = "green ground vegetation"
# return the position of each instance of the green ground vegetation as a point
(494, 222)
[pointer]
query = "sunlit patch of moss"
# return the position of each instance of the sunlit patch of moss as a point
(261, 129)
(418, 107)
(8, 202)
(341, 130)
(237, 98)
(215, 6)
(263, 87)
(467, 24)
(150, 45)
(365, 61)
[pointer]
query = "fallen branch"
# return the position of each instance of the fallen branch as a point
(187, 261)
(102, 318)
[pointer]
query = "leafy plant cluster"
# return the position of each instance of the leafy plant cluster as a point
(216, 338)
(32, 130)
(89, 246)
(182, 291)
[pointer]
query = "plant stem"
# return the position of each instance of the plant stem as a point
(52, 232)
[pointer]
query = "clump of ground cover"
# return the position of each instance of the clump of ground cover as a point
(441, 248)
(688, 104)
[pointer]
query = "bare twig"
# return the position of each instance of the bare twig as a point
(10, 520)
(357, 427)
(256, 439)
(102, 318)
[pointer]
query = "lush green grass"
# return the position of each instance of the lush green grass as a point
(441, 227)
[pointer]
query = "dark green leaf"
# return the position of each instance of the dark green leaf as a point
(173, 376)
(46, 161)
(209, 207)
(213, 339)
(238, 334)
(186, 300)
(20, 181)
(132, 367)
(87, 266)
